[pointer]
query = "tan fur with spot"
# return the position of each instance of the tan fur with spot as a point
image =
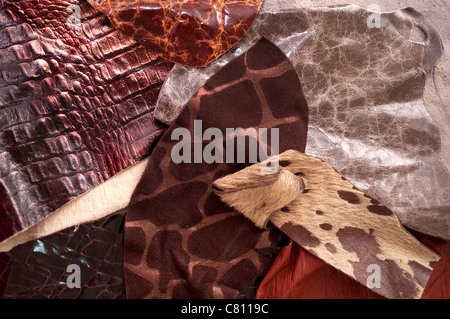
(323, 212)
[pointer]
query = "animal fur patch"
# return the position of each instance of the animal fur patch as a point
(323, 212)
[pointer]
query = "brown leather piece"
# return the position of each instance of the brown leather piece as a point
(192, 33)
(297, 274)
(76, 107)
(353, 232)
(179, 242)
(364, 88)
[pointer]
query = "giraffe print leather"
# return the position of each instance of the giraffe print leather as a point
(181, 241)
(191, 33)
(323, 212)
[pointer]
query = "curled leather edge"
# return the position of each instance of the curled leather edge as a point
(102, 201)
(334, 221)
(433, 38)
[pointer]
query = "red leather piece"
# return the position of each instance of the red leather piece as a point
(296, 274)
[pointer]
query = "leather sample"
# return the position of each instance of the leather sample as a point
(191, 33)
(297, 274)
(76, 107)
(320, 210)
(364, 87)
(120, 81)
(39, 269)
(181, 241)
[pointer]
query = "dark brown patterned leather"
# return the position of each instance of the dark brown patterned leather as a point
(76, 106)
(181, 241)
(39, 269)
(191, 33)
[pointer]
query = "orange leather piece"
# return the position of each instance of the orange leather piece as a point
(192, 33)
(297, 274)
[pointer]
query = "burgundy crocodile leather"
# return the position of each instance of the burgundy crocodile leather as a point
(39, 269)
(76, 106)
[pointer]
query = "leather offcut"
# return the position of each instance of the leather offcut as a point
(334, 221)
(76, 107)
(192, 33)
(364, 88)
(181, 241)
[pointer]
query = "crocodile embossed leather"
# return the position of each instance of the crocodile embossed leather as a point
(192, 33)
(39, 269)
(76, 107)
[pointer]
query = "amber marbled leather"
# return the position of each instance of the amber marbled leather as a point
(364, 87)
(191, 33)
(76, 107)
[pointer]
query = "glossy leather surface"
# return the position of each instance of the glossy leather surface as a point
(191, 33)
(76, 107)
(39, 269)
(364, 88)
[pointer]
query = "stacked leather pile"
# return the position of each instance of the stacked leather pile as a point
(92, 94)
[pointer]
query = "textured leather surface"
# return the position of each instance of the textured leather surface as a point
(76, 106)
(99, 86)
(181, 241)
(328, 216)
(100, 202)
(191, 33)
(365, 90)
(297, 274)
(39, 269)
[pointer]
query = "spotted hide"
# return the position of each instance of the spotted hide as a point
(324, 213)
(191, 33)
